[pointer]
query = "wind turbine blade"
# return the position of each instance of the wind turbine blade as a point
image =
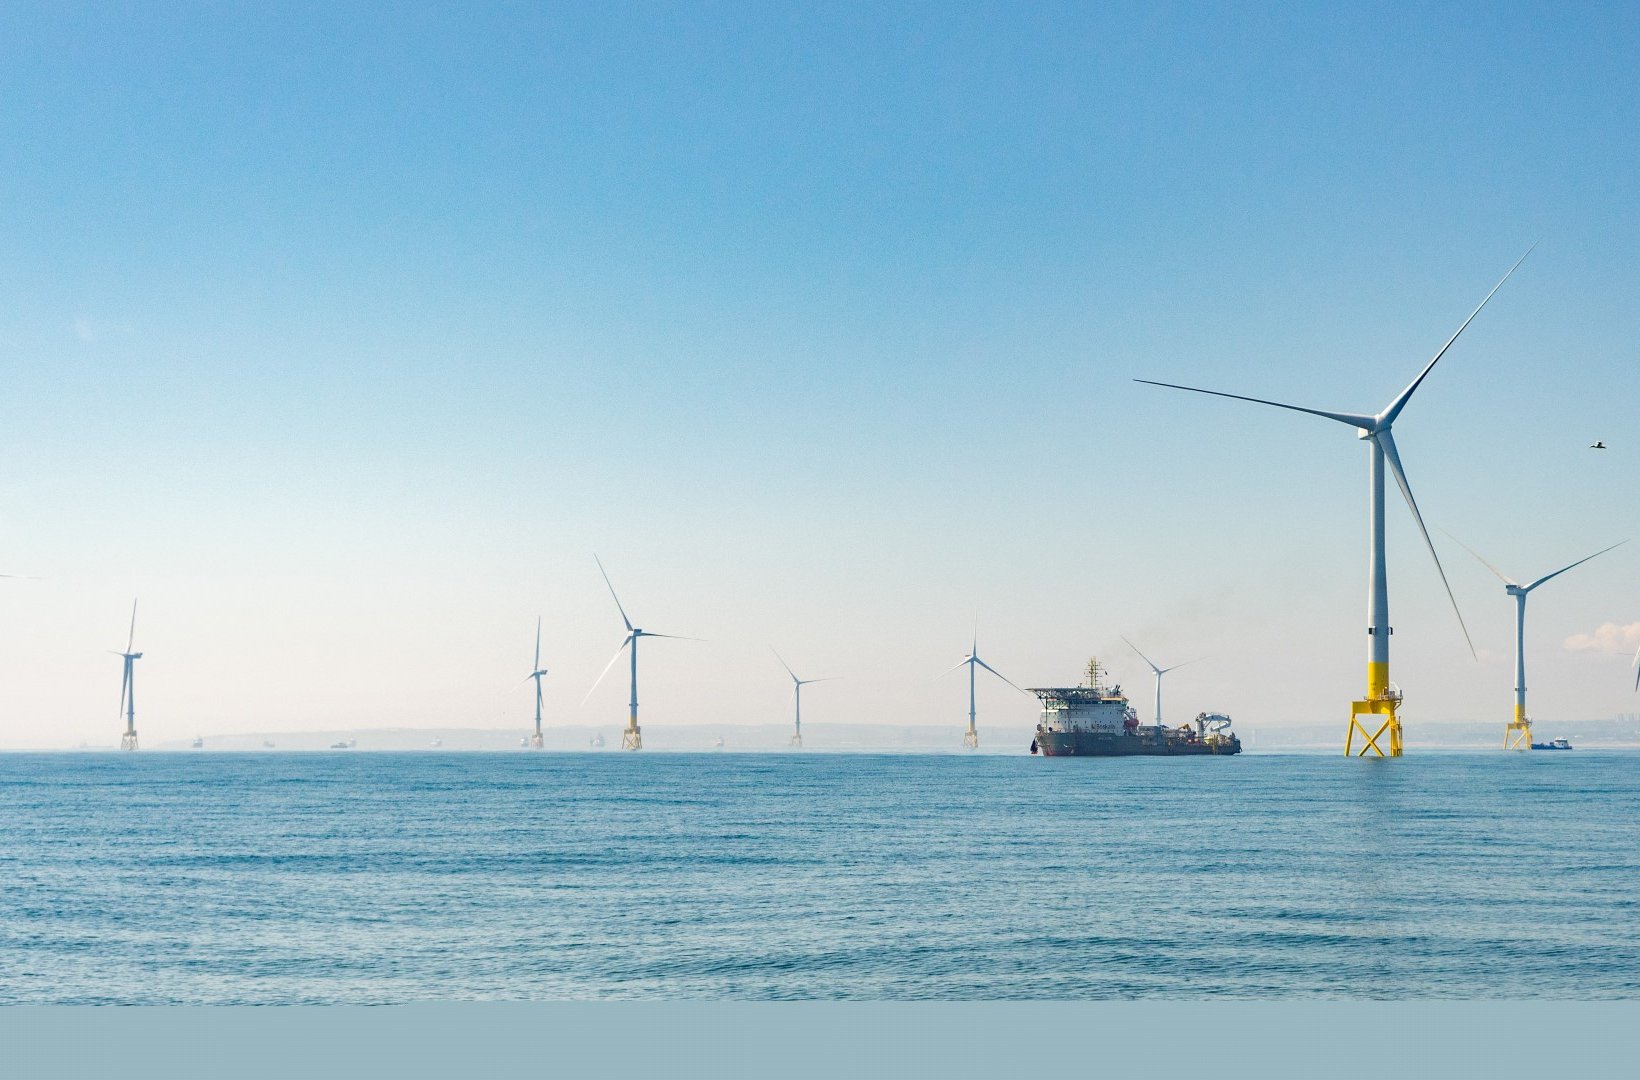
(975, 650)
(1388, 415)
(1354, 420)
(1176, 667)
(828, 678)
(964, 662)
(1145, 658)
(1506, 579)
(1387, 441)
(538, 643)
(1579, 562)
(1637, 670)
(624, 643)
(785, 665)
(612, 595)
(999, 675)
(131, 640)
(674, 637)
(125, 681)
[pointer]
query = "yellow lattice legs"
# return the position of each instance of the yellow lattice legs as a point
(1381, 729)
(632, 738)
(1518, 735)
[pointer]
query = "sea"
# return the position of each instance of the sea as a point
(354, 877)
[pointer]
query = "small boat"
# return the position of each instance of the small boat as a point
(266, 745)
(718, 745)
(341, 745)
(1553, 744)
(437, 743)
(198, 743)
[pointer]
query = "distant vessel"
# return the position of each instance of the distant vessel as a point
(437, 743)
(598, 741)
(718, 743)
(198, 743)
(1095, 720)
(1553, 744)
(267, 745)
(347, 745)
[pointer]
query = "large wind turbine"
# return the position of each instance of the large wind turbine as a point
(1382, 699)
(128, 685)
(1518, 735)
(797, 697)
(631, 739)
(1160, 671)
(970, 738)
(538, 673)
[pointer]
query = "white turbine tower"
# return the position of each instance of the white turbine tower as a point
(128, 685)
(797, 697)
(631, 738)
(1160, 671)
(970, 738)
(537, 674)
(1518, 735)
(1382, 699)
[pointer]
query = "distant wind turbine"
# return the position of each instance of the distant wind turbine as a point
(128, 685)
(1382, 699)
(631, 738)
(970, 738)
(1160, 671)
(797, 697)
(1518, 735)
(537, 674)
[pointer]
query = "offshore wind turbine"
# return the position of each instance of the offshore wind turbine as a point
(970, 738)
(631, 738)
(1160, 671)
(1382, 699)
(797, 697)
(128, 685)
(1518, 735)
(538, 673)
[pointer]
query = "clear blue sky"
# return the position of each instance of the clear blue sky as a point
(343, 335)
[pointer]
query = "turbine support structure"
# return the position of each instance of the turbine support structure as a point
(1518, 734)
(1375, 717)
(632, 737)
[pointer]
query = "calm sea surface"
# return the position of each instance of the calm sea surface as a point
(354, 877)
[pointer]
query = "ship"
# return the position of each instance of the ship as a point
(1095, 720)
(1553, 744)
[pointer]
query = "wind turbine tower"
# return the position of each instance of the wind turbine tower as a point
(1375, 717)
(538, 673)
(797, 697)
(1518, 735)
(632, 737)
(970, 738)
(128, 685)
(1160, 671)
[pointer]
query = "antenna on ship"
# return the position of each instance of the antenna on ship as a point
(970, 738)
(1160, 671)
(128, 685)
(797, 697)
(631, 737)
(1382, 701)
(1518, 734)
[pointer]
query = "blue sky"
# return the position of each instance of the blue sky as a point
(344, 336)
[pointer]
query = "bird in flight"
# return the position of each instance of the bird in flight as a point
(1598, 445)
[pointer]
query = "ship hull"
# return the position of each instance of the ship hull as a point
(1095, 744)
